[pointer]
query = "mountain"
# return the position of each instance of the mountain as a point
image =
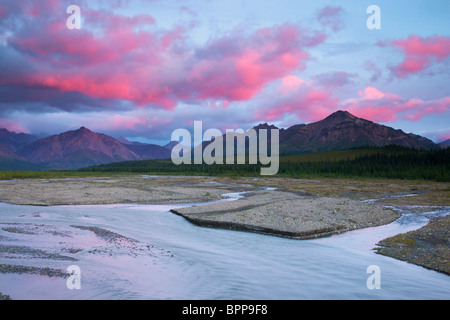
(264, 126)
(76, 149)
(14, 141)
(81, 148)
(125, 141)
(149, 151)
(171, 145)
(444, 144)
(145, 151)
(10, 161)
(342, 130)
(339, 131)
(7, 153)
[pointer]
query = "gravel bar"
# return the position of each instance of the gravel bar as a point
(428, 246)
(291, 215)
(19, 269)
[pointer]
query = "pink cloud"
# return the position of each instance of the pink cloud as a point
(370, 93)
(311, 101)
(379, 106)
(119, 57)
(117, 121)
(420, 53)
(290, 83)
(307, 101)
(12, 126)
(111, 57)
(444, 137)
(237, 68)
(110, 42)
(310, 107)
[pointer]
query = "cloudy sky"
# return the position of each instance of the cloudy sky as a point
(140, 69)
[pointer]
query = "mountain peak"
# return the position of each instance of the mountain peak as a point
(76, 149)
(444, 144)
(5, 131)
(83, 129)
(264, 126)
(81, 132)
(341, 114)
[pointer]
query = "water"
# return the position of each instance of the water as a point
(190, 262)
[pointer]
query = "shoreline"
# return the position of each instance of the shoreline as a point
(428, 247)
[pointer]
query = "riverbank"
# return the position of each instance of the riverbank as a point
(186, 189)
(428, 246)
(114, 190)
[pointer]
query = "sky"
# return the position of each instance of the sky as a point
(141, 69)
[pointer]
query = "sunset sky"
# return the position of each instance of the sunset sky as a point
(140, 69)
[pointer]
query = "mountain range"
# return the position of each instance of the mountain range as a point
(342, 130)
(445, 144)
(14, 141)
(83, 147)
(72, 150)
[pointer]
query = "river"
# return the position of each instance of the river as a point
(170, 258)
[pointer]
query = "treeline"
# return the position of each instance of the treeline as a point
(411, 164)
(53, 174)
(395, 163)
